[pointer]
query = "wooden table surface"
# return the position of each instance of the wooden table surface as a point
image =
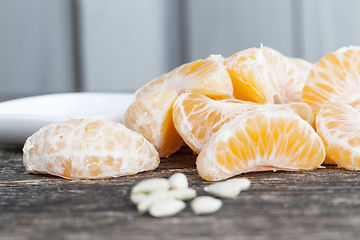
(321, 204)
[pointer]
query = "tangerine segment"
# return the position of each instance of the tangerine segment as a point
(302, 109)
(336, 77)
(260, 140)
(88, 149)
(249, 75)
(151, 116)
(356, 103)
(287, 75)
(196, 117)
(303, 65)
(338, 124)
(206, 76)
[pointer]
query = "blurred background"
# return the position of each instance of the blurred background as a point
(118, 45)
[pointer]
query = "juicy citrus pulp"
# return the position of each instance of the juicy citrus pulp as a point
(88, 149)
(287, 75)
(335, 77)
(260, 140)
(249, 75)
(206, 76)
(151, 116)
(196, 117)
(338, 124)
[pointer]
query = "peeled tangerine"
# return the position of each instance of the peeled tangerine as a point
(250, 76)
(261, 140)
(204, 76)
(151, 116)
(151, 113)
(287, 75)
(338, 124)
(196, 117)
(88, 149)
(334, 78)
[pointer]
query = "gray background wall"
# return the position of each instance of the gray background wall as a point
(118, 46)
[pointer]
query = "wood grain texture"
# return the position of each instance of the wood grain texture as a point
(321, 204)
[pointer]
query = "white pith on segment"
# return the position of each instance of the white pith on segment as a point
(93, 149)
(338, 124)
(250, 62)
(213, 80)
(152, 118)
(287, 75)
(298, 147)
(202, 108)
(197, 117)
(336, 77)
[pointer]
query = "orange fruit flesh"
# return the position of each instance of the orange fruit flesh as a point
(260, 140)
(336, 77)
(88, 149)
(338, 124)
(151, 113)
(356, 103)
(287, 75)
(301, 109)
(303, 65)
(205, 76)
(249, 75)
(151, 116)
(328, 160)
(196, 117)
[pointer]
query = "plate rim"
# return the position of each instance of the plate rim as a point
(11, 134)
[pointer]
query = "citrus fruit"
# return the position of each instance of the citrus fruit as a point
(249, 75)
(196, 117)
(88, 149)
(287, 75)
(335, 77)
(260, 140)
(338, 124)
(206, 76)
(356, 103)
(151, 116)
(303, 66)
(301, 109)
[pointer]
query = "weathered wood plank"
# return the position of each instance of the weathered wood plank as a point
(321, 204)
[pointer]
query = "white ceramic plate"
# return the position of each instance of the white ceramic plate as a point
(20, 118)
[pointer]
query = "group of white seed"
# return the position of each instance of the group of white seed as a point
(161, 197)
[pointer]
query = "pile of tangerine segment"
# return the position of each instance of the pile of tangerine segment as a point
(256, 110)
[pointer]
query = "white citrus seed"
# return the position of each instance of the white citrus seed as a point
(151, 185)
(244, 183)
(153, 197)
(226, 189)
(166, 207)
(178, 181)
(183, 194)
(137, 197)
(205, 205)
